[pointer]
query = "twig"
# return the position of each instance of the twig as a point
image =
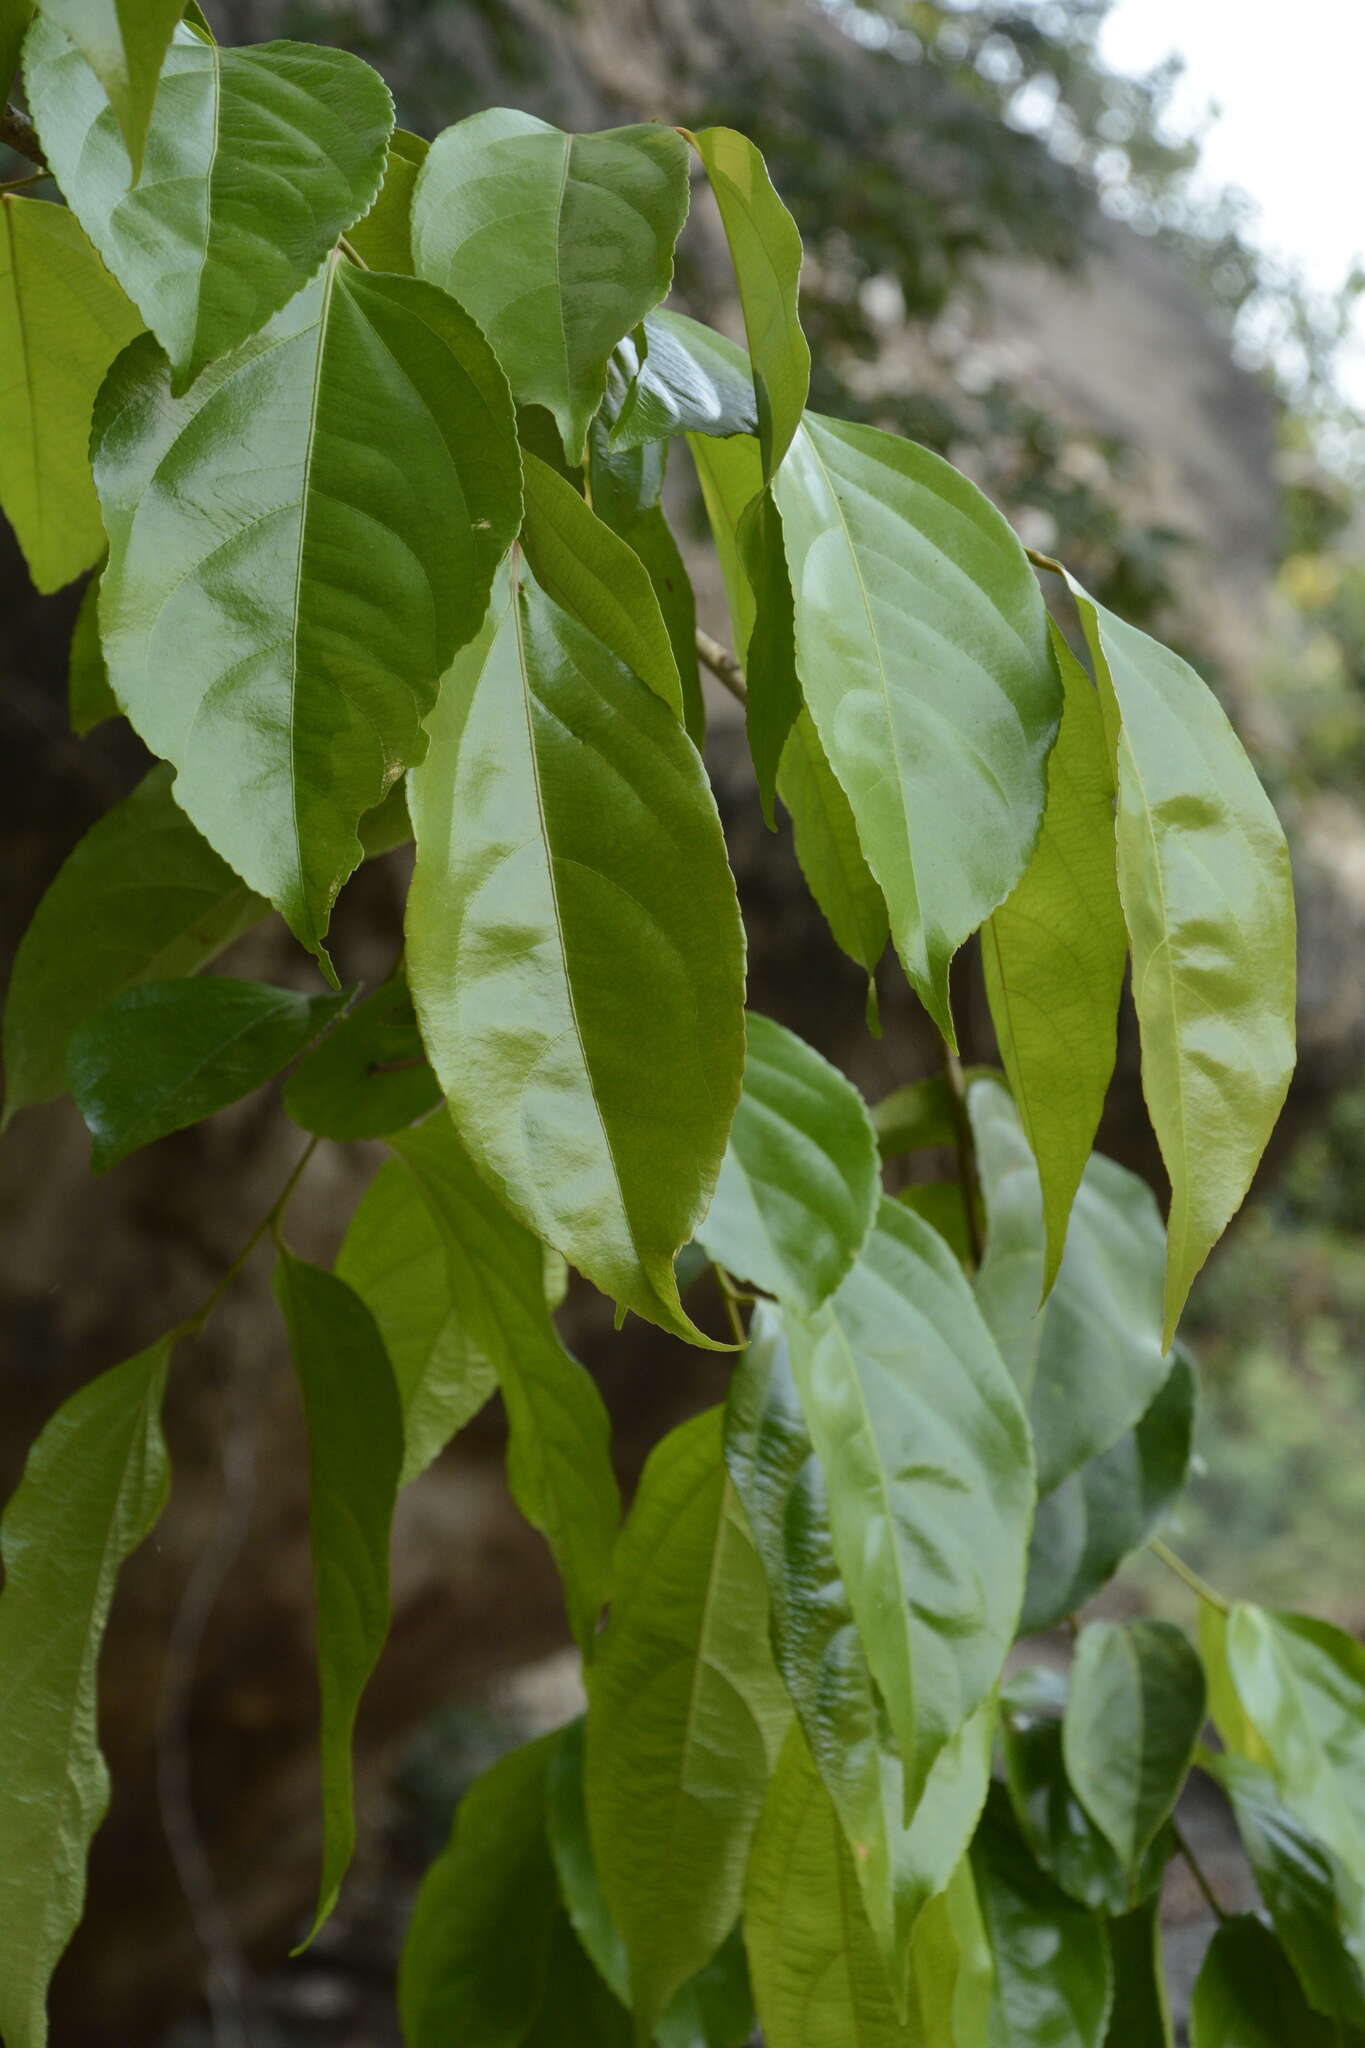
(722, 665)
(731, 1300)
(1187, 1574)
(20, 134)
(1219, 1912)
(193, 1323)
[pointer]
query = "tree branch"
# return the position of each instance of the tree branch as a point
(20, 134)
(722, 665)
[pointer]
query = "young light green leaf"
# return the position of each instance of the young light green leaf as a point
(923, 651)
(371, 440)
(799, 1184)
(590, 572)
(355, 1450)
(765, 248)
(1053, 956)
(580, 996)
(369, 1076)
(597, 217)
(829, 850)
(924, 1448)
(1090, 1361)
(558, 1457)
(93, 1487)
(124, 42)
(141, 898)
(685, 1716)
(62, 322)
(89, 698)
(1140, 2016)
(674, 376)
(1204, 879)
(256, 161)
(1133, 1717)
(383, 238)
(1247, 1995)
(1085, 1527)
(1053, 1975)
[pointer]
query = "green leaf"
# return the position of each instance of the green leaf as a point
(799, 1184)
(1141, 2015)
(93, 1487)
(685, 1715)
(1053, 956)
(592, 574)
(1133, 1716)
(558, 1457)
(383, 238)
(590, 1042)
(15, 16)
(1090, 1362)
(256, 161)
(829, 850)
(1247, 1995)
(765, 248)
(1204, 879)
(355, 1450)
(1053, 1974)
(773, 703)
(124, 42)
(730, 475)
(88, 695)
(674, 376)
(596, 220)
(62, 322)
(625, 493)
(369, 1076)
(309, 609)
(924, 1448)
(916, 1118)
(1085, 1527)
(394, 1257)
(922, 646)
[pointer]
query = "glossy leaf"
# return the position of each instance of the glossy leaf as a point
(62, 322)
(1205, 884)
(673, 376)
(1053, 956)
(924, 1449)
(256, 160)
(383, 238)
(1053, 1974)
(141, 898)
(558, 1457)
(1133, 1717)
(88, 695)
(312, 606)
(1090, 1362)
(394, 1257)
(580, 995)
(595, 576)
(124, 42)
(92, 1489)
(355, 1451)
(829, 850)
(685, 1716)
(597, 217)
(765, 248)
(1247, 1995)
(799, 1184)
(1140, 2016)
(923, 650)
(369, 1075)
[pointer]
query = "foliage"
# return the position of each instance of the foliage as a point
(386, 557)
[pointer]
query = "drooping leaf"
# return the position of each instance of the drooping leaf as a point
(369, 1076)
(141, 898)
(1053, 1974)
(685, 1715)
(383, 238)
(1133, 1717)
(558, 1457)
(580, 991)
(674, 376)
(590, 572)
(626, 487)
(1204, 880)
(765, 248)
(256, 160)
(88, 695)
(1140, 2016)
(773, 703)
(730, 475)
(596, 220)
(799, 1184)
(93, 1487)
(829, 850)
(918, 1117)
(923, 650)
(355, 1451)
(1090, 1361)
(312, 602)
(1053, 956)
(124, 42)
(1247, 1995)
(166, 1053)
(62, 322)
(394, 1257)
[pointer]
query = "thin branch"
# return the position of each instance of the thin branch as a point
(195, 1321)
(20, 134)
(731, 1300)
(1211, 1900)
(722, 665)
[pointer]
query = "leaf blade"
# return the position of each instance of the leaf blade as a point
(1136, 1704)
(124, 42)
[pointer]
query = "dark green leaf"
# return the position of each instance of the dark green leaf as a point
(597, 217)
(918, 1117)
(62, 322)
(570, 859)
(674, 376)
(383, 239)
(1054, 955)
(685, 1716)
(124, 42)
(355, 1451)
(558, 1457)
(256, 161)
(93, 1487)
(829, 850)
(625, 493)
(1141, 2015)
(369, 1076)
(166, 1053)
(923, 651)
(1133, 1717)
(88, 695)
(941, 1204)
(1053, 1975)
(1247, 1995)
(15, 16)
(312, 608)
(773, 703)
